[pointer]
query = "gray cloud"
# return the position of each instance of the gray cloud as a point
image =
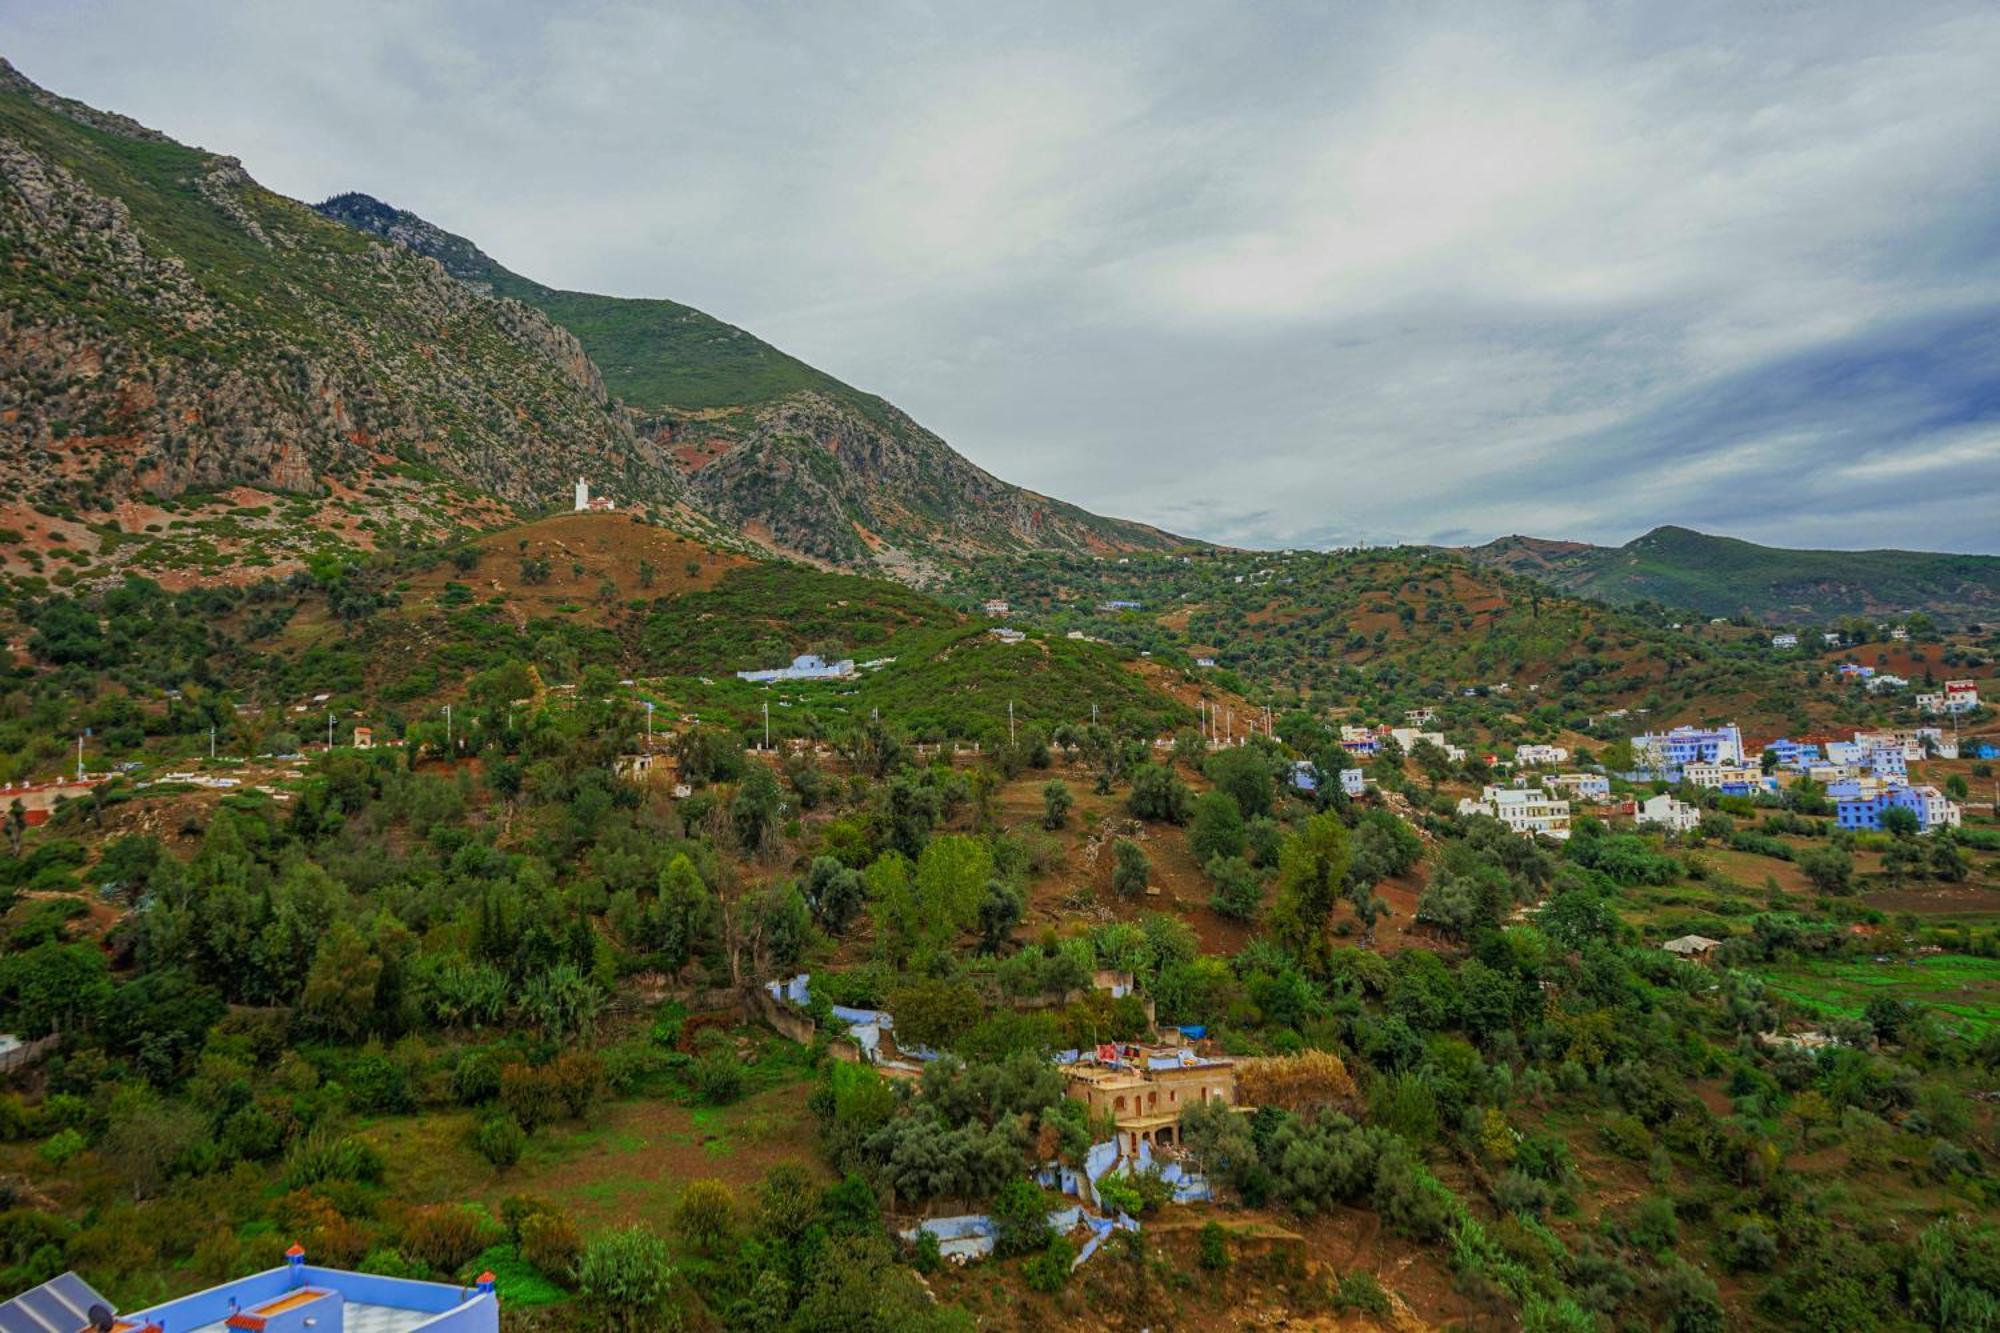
(1270, 276)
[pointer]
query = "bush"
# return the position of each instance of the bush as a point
(925, 1255)
(530, 1095)
(1130, 868)
(1048, 1271)
(500, 1140)
(476, 1078)
(625, 1276)
(705, 1215)
(716, 1078)
(320, 1157)
(1020, 1218)
(516, 1209)
(552, 1244)
(59, 1148)
(1056, 804)
(1360, 1291)
(1627, 1136)
(1214, 1246)
(447, 1235)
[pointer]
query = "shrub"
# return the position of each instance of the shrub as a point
(577, 1078)
(1130, 868)
(447, 1235)
(1020, 1218)
(1056, 803)
(1048, 1271)
(476, 1078)
(1627, 1136)
(529, 1095)
(1360, 1291)
(319, 1157)
(1214, 1246)
(552, 1243)
(60, 1147)
(516, 1209)
(704, 1215)
(625, 1277)
(500, 1140)
(716, 1078)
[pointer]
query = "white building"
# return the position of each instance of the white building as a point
(993, 606)
(1690, 946)
(1417, 717)
(1784, 640)
(1886, 681)
(1900, 634)
(1663, 811)
(806, 666)
(1938, 811)
(1005, 635)
(1541, 754)
(1524, 810)
(1830, 639)
(1353, 781)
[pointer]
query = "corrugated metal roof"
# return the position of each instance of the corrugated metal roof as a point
(60, 1305)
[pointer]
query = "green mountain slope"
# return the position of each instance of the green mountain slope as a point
(805, 463)
(1722, 576)
(655, 355)
(172, 326)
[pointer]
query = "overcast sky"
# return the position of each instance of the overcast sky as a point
(1283, 274)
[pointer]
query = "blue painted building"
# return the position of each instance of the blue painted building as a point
(300, 1297)
(1794, 754)
(1670, 751)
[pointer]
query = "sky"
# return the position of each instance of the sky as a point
(1275, 275)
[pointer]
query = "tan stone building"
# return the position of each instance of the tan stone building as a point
(1144, 1089)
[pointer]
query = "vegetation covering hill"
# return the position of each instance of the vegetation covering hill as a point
(805, 463)
(1722, 576)
(172, 326)
(480, 997)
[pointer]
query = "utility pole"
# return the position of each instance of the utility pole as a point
(79, 756)
(649, 726)
(1093, 715)
(767, 725)
(1010, 724)
(329, 728)
(211, 742)
(449, 752)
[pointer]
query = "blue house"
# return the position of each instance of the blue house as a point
(1672, 750)
(299, 1297)
(1793, 754)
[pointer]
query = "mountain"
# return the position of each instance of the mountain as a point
(1723, 576)
(169, 326)
(770, 445)
(226, 381)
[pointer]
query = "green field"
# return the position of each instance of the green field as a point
(1962, 990)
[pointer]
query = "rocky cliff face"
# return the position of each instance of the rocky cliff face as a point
(168, 325)
(812, 475)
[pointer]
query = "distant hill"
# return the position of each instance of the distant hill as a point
(794, 457)
(1722, 576)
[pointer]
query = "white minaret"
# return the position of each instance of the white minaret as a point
(582, 494)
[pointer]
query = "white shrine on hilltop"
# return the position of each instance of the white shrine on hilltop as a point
(584, 501)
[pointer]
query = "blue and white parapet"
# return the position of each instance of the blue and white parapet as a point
(299, 1296)
(806, 666)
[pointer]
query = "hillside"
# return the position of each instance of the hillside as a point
(804, 463)
(1722, 576)
(173, 327)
